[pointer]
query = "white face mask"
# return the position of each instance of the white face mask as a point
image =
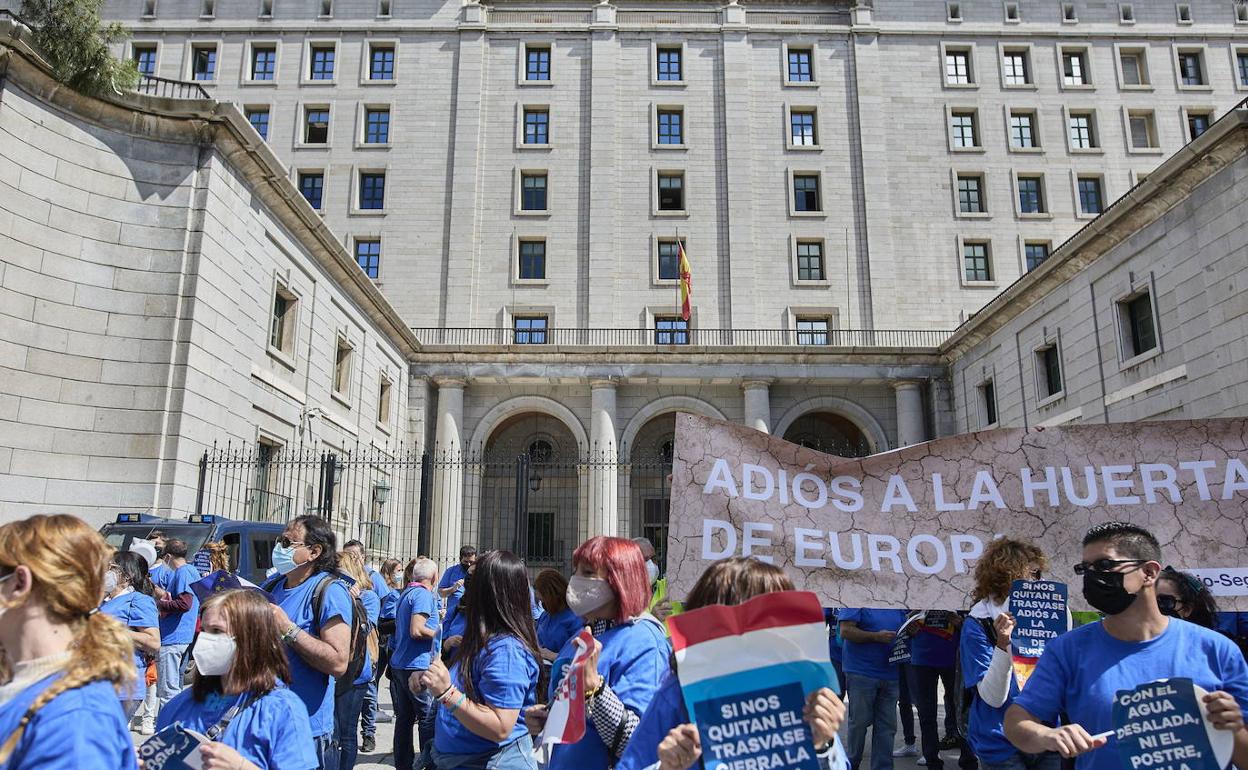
(110, 583)
(214, 654)
(652, 570)
(586, 594)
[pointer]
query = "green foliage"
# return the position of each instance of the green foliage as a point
(72, 38)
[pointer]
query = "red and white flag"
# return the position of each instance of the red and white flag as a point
(565, 721)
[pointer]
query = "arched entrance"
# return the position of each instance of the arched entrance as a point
(830, 433)
(649, 489)
(530, 491)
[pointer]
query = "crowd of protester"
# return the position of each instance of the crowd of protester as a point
(98, 643)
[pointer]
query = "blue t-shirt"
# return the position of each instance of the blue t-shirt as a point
(1081, 671)
(160, 574)
(984, 732)
(834, 637)
(454, 625)
(554, 631)
(315, 689)
(412, 654)
(870, 658)
(930, 648)
(272, 733)
(633, 661)
(80, 729)
(179, 627)
(372, 610)
(134, 610)
(450, 578)
(505, 677)
(379, 583)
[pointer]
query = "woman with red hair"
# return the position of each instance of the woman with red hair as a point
(610, 590)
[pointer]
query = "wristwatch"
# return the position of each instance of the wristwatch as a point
(289, 634)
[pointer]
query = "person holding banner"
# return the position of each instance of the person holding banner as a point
(238, 687)
(416, 629)
(984, 654)
(493, 676)
(610, 590)
(1081, 672)
(665, 738)
(871, 682)
(64, 661)
(128, 597)
(558, 623)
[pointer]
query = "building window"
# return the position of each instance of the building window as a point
(532, 192)
(812, 331)
(1198, 123)
(1191, 68)
(1049, 364)
(1034, 254)
(958, 68)
(1185, 13)
(377, 125)
(282, 323)
(204, 63)
(1126, 14)
(806, 193)
(1091, 199)
(1031, 195)
(802, 128)
(529, 330)
(383, 401)
(1134, 67)
(975, 260)
(971, 194)
(381, 62)
(1068, 13)
(258, 117)
(668, 65)
(343, 356)
(671, 330)
(1082, 131)
(372, 190)
(988, 402)
(368, 256)
(322, 65)
(810, 261)
(312, 185)
(671, 129)
(532, 260)
(1139, 332)
(953, 12)
(263, 62)
(536, 126)
(1143, 130)
(669, 261)
(671, 192)
(1016, 68)
(1074, 68)
(536, 62)
(800, 70)
(316, 125)
(1241, 62)
(962, 126)
(1022, 130)
(145, 59)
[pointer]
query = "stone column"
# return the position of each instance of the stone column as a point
(910, 427)
(446, 512)
(757, 404)
(603, 515)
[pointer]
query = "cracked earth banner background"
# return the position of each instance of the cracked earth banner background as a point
(904, 528)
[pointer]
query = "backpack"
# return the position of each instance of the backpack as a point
(965, 696)
(359, 628)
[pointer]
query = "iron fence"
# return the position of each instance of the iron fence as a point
(812, 340)
(170, 89)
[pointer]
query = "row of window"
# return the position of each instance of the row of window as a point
(321, 63)
(1031, 194)
(208, 9)
(1083, 133)
(283, 330)
(670, 330)
(1191, 67)
(1126, 12)
(1137, 324)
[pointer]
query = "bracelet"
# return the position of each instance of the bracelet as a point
(462, 697)
(449, 687)
(602, 683)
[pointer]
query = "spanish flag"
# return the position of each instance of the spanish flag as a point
(686, 281)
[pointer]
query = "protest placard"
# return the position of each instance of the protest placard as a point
(904, 528)
(565, 722)
(173, 748)
(1039, 610)
(745, 672)
(899, 651)
(938, 620)
(1164, 726)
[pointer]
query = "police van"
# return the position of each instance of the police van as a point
(250, 543)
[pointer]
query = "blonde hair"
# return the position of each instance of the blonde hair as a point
(351, 564)
(67, 561)
(218, 555)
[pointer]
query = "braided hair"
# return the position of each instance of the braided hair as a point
(67, 561)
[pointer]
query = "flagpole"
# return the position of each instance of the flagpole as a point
(678, 276)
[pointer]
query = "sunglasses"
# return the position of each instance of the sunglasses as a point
(1104, 565)
(1168, 604)
(286, 542)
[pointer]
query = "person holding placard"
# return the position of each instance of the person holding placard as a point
(984, 653)
(1081, 672)
(871, 682)
(665, 738)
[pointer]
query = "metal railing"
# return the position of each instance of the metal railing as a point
(170, 89)
(678, 338)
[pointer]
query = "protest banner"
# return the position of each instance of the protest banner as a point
(905, 528)
(565, 722)
(745, 672)
(1039, 610)
(1164, 726)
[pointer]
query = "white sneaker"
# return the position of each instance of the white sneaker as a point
(909, 750)
(384, 716)
(147, 728)
(922, 762)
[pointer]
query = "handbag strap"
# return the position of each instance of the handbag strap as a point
(216, 730)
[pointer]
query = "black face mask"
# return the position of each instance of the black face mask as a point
(1169, 605)
(1105, 593)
